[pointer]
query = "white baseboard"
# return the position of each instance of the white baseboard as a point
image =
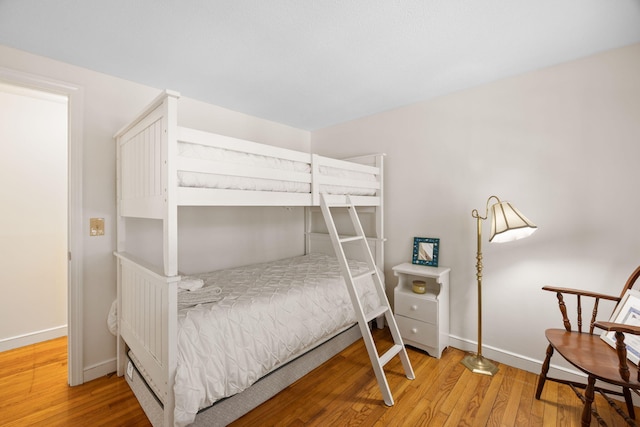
(99, 370)
(517, 360)
(32, 338)
(89, 372)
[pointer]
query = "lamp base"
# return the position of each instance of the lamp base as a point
(479, 365)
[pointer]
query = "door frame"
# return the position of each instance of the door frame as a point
(75, 96)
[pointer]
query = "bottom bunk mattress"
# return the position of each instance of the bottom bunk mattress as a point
(245, 322)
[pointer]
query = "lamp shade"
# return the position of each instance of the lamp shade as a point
(509, 224)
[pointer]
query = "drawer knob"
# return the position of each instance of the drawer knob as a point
(414, 307)
(414, 330)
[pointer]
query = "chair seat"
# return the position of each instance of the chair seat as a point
(591, 355)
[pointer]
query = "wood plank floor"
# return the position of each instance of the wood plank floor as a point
(34, 392)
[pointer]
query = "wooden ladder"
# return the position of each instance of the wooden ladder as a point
(378, 362)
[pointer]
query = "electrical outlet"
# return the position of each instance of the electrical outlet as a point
(96, 226)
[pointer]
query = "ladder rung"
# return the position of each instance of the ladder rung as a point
(350, 239)
(377, 313)
(363, 275)
(385, 358)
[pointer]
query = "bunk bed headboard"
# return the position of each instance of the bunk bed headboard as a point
(141, 151)
(146, 178)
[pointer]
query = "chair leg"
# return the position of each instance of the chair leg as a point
(627, 398)
(588, 400)
(543, 373)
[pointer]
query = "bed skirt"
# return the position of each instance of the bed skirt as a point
(230, 409)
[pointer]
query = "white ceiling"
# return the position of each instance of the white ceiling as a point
(314, 63)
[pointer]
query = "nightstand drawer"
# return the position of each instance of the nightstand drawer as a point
(415, 330)
(416, 307)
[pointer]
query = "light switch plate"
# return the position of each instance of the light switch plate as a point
(96, 226)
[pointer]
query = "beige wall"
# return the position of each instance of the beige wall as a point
(33, 218)
(561, 143)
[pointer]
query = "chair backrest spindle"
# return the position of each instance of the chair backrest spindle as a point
(579, 314)
(594, 314)
(563, 310)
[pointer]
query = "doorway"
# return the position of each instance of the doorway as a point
(33, 223)
(73, 259)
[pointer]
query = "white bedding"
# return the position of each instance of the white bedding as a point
(207, 180)
(267, 314)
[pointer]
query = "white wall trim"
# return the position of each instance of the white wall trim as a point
(516, 360)
(99, 369)
(32, 338)
(75, 95)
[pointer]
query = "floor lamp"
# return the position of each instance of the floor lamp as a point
(507, 224)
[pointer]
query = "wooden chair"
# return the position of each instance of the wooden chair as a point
(593, 356)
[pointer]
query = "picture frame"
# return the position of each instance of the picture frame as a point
(425, 251)
(627, 312)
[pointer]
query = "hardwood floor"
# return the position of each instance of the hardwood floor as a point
(34, 392)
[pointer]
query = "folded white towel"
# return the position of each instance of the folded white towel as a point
(190, 284)
(205, 295)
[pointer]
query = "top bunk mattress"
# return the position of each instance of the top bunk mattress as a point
(246, 322)
(242, 159)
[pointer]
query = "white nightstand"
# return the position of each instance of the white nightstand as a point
(423, 319)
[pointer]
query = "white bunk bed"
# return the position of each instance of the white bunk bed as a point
(161, 167)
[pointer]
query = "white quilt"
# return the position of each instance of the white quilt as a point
(267, 314)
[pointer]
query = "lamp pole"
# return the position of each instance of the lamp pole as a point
(476, 362)
(479, 280)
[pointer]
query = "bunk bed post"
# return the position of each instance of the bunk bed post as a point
(121, 347)
(315, 180)
(170, 184)
(170, 244)
(307, 229)
(170, 352)
(315, 201)
(379, 162)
